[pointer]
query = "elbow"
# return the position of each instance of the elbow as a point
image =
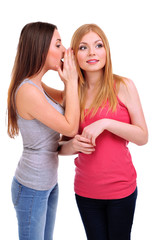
(143, 140)
(72, 132)
(141, 143)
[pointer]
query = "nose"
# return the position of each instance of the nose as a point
(91, 51)
(63, 48)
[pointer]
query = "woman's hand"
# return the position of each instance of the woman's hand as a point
(69, 72)
(75, 145)
(82, 144)
(93, 130)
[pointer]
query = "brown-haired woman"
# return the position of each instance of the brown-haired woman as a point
(40, 119)
(111, 116)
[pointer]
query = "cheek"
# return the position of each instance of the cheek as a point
(54, 57)
(80, 59)
(103, 57)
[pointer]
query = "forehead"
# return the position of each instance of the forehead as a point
(90, 37)
(56, 36)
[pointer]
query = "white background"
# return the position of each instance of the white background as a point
(133, 28)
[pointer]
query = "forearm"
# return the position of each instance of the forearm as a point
(72, 108)
(66, 148)
(129, 132)
(69, 76)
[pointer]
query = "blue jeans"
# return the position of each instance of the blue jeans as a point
(107, 219)
(36, 211)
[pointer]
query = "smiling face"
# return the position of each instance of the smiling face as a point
(91, 54)
(55, 52)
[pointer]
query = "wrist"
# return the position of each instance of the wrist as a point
(73, 146)
(104, 124)
(71, 83)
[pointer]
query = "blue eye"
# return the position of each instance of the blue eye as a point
(82, 47)
(100, 45)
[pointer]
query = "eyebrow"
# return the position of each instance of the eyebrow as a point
(94, 42)
(58, 39)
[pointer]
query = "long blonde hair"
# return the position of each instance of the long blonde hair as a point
(107, 90)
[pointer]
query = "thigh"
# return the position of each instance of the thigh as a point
(51, 213)
(31, 208)
(120, 217)
(93, 214)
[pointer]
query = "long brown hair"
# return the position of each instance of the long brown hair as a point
(107, 89)
(33, 46)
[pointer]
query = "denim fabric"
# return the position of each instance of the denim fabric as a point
(107, 219)
(35, 210)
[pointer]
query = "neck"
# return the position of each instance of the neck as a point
(37, 78)
(93, 79)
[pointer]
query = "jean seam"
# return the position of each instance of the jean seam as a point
(18, 196)
(30, 214)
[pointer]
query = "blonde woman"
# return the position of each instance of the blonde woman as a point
(40, 118)
(111, 116)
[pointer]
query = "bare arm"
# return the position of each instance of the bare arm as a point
(31, 102)
(135, 132)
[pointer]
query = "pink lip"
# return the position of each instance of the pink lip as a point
(92, 61)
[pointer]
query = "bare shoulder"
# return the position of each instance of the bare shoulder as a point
(127, 85)
(28, 91)
(27, 97)
(127, 91)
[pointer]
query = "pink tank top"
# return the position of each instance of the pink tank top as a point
(107, 173)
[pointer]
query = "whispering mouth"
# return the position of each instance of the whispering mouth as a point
(62, 63)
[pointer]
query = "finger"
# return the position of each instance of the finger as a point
(60, 72)
(65, 57)
(94, 141)
(88, 136)
(85, 134)
(87, 151)
(71, 57)
(70, 62)
(87, 145)
(83, 145)
(82, 139)
(73, 61)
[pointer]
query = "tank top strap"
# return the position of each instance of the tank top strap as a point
(30, 82)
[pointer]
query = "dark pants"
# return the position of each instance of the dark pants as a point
(107, 219)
